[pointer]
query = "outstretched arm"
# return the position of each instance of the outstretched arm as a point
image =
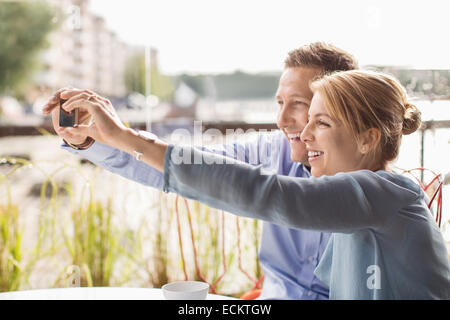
(345, 202)
(259, 150)
(121, 163)
(341, 203)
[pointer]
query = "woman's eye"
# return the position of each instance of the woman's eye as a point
(321, 123)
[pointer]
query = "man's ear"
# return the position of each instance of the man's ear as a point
(369, 140)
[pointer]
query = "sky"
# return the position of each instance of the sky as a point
(211, 36)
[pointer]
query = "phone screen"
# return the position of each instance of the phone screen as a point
(67, 119)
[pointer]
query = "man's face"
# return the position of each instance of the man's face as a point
(294, 98)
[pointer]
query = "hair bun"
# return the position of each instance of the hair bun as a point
(412, 119)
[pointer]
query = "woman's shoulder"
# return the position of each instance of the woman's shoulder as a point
(400, 180)
(386, 180)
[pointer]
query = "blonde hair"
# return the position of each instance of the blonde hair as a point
(361, 100)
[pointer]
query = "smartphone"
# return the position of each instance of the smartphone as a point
(67, 119)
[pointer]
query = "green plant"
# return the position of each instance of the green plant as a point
(15, 263)
(135, 75)
(11, 251)
(160, 274)
(24, 27)
(93, 244)
(82, 236)
(256, 240)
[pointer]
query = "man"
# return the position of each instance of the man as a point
(288, 257)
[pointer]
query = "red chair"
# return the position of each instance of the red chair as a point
(255, 292)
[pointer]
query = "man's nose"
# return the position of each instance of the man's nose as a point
(285, 118)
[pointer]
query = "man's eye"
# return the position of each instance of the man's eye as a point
(280, 102)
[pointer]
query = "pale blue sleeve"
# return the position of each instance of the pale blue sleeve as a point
(259, 150)
(342, 203)
(121, 163)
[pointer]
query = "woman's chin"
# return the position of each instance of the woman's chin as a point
(315, 175)
(316, 172)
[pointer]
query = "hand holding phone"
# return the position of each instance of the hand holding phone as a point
(67, 119)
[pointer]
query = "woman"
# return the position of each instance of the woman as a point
(385, 245)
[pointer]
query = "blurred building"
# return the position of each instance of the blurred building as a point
(83, 53)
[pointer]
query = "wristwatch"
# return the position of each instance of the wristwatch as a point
(86, 144)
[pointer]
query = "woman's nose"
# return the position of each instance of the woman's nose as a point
(306, 134)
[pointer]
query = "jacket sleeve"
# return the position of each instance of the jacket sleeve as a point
(121, 163)
(342, 203)
(258, 150)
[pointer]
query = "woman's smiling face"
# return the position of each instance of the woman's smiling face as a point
(330, 145)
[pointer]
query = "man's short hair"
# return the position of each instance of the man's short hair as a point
(321, 55)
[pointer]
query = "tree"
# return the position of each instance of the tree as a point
(161, 85)
(24, 26)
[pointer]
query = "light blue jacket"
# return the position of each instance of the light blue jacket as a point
(386, 244)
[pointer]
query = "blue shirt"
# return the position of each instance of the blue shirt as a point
(385, 245)
(288, 256)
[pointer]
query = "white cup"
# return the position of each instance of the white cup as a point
(185, 290)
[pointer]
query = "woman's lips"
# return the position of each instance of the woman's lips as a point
(314, 155)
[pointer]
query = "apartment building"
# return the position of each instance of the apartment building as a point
(83, 53)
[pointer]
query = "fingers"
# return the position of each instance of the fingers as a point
(79, 97)
(82, 103)
(90, 106)
(84, 117)
(85, 97)
(68, 94)
(53, 101)
(82, 130)
(73, 137)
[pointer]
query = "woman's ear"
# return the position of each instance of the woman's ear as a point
(369, 140)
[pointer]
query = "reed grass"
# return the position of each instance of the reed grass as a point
(78, 233)
(160, 274)
(14, 270)
(93, 243)
(11, 251)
